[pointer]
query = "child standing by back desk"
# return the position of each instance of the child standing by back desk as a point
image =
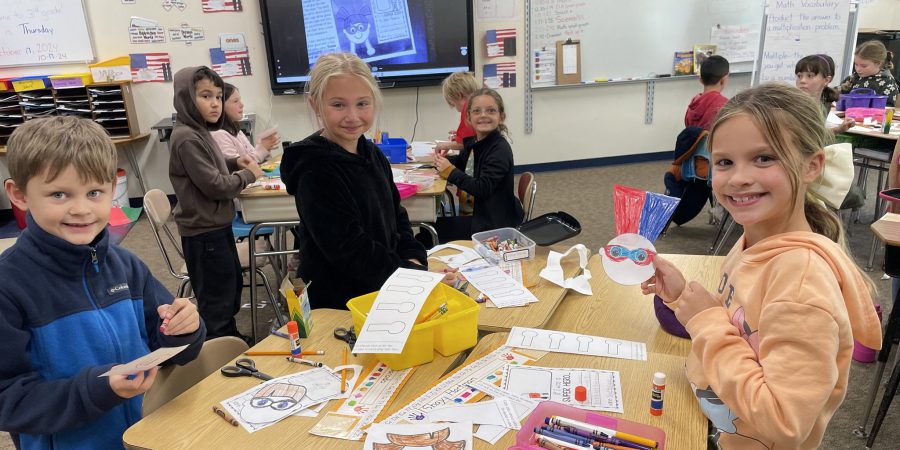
(457, 88)
(206, 184)
(492, 183)
(770, 356)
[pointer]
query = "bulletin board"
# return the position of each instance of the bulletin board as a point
(638, 38)
(44, 32)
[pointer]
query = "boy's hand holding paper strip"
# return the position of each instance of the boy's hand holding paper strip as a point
(554, 271)
(146, 362)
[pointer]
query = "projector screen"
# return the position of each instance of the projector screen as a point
(406, 42)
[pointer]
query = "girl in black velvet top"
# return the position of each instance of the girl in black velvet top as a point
(492, 184)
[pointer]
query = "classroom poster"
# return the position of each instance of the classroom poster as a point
(186, 33)
(231, 59)
(216, 6)
(500, 42)
(500, 75)
(373, 30)
(544, 66)
(146, 31)
(496, 10)
(151, 67)
(178, 4)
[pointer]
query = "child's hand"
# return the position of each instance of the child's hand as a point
(451, 276)
(452, 135)
(667, 283)
(694, 300)
(845, 125)
(443, 148)
(137, 385)
(271, 141)
(440, 162)
(181, 317)
(249, 163)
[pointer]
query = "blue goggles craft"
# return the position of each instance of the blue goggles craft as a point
(639, 256)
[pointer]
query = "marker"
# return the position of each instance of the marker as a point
(537, 395)
(599, 437)
(563, 437)
(280, 334)
(276, 353)
(224, 415)
(563, 421)
(555, 444)
(601, 80)
(580, 394)
(303, 361)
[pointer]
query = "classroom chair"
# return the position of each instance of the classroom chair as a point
(865, 159)
(159, 211)
(172, 380)
(526, 192)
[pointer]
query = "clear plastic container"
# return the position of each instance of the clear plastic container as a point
(523, 251)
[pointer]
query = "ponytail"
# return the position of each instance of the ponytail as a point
(889, 61)
(829, 95)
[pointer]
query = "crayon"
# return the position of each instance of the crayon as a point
(303, 361)
(224, 415)
(563, 421)
(344, 372)
(285, 353)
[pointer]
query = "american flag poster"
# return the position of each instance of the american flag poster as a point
(151, 67)
(230, 63)
(500, 75)
(214, 6)
(501, 42)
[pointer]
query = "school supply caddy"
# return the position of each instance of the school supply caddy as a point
(413, 315)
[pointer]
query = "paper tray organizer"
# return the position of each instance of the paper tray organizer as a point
(448, 334)
(551, 228)
(525, 439)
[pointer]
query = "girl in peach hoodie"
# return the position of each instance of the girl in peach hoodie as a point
(771, 345)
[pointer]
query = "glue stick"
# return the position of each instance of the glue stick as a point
(294, 339)
(656, 393)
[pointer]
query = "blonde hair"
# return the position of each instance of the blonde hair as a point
(335, 64)
(791, 122)
(877, 52)
(458, 85)
(52, 144)
(500, 108)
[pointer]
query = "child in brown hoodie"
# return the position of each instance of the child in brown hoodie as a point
(771, 347)
(206, 184)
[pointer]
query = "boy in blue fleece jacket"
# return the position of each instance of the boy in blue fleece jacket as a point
(72, 306)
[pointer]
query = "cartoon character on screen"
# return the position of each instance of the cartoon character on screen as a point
(270, 402)
(437, 440)
(640, 218)
(356, 28)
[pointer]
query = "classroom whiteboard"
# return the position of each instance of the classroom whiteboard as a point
(43, 32)
(636, 38)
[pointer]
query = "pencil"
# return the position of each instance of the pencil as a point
(431, 313)
(344, 372)
(285, 353)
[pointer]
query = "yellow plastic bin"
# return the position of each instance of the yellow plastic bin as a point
(451, 333)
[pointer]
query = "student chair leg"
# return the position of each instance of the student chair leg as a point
(431, 230)
(887, 342)
(889, 392)
(280, 316)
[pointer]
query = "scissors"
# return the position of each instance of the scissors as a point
(244, 367)
(348, 336)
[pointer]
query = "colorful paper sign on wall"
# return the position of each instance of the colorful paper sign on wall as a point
(215, 6)
(231, 59)
(501, 42)
(151, 67)
(185, 33)
(145, 31)
(500, 75)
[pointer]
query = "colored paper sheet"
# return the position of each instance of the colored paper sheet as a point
(658, 208)
(449, 436)
(628, 259)
(628, 203)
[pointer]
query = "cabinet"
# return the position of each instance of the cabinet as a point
(109, 104)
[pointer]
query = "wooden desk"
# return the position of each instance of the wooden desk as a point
(261, 205)
(682, 420)
(188, 420)
(534, 315)
(623, 312)
(874, 132)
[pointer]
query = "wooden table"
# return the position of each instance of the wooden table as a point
(188, 420)
(874, 132)
(534, 315)
(682, 419)
(623, 312)
(262, 205)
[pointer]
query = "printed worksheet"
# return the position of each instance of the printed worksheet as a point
(443, 436)
(579, 344)
(604, 390)
(503, 290)
(394, 312)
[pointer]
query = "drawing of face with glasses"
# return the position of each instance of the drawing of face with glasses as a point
(619, 253)
(271, 402)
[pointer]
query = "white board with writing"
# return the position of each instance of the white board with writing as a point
(640, 37)
(43, 32)
(797, 28)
